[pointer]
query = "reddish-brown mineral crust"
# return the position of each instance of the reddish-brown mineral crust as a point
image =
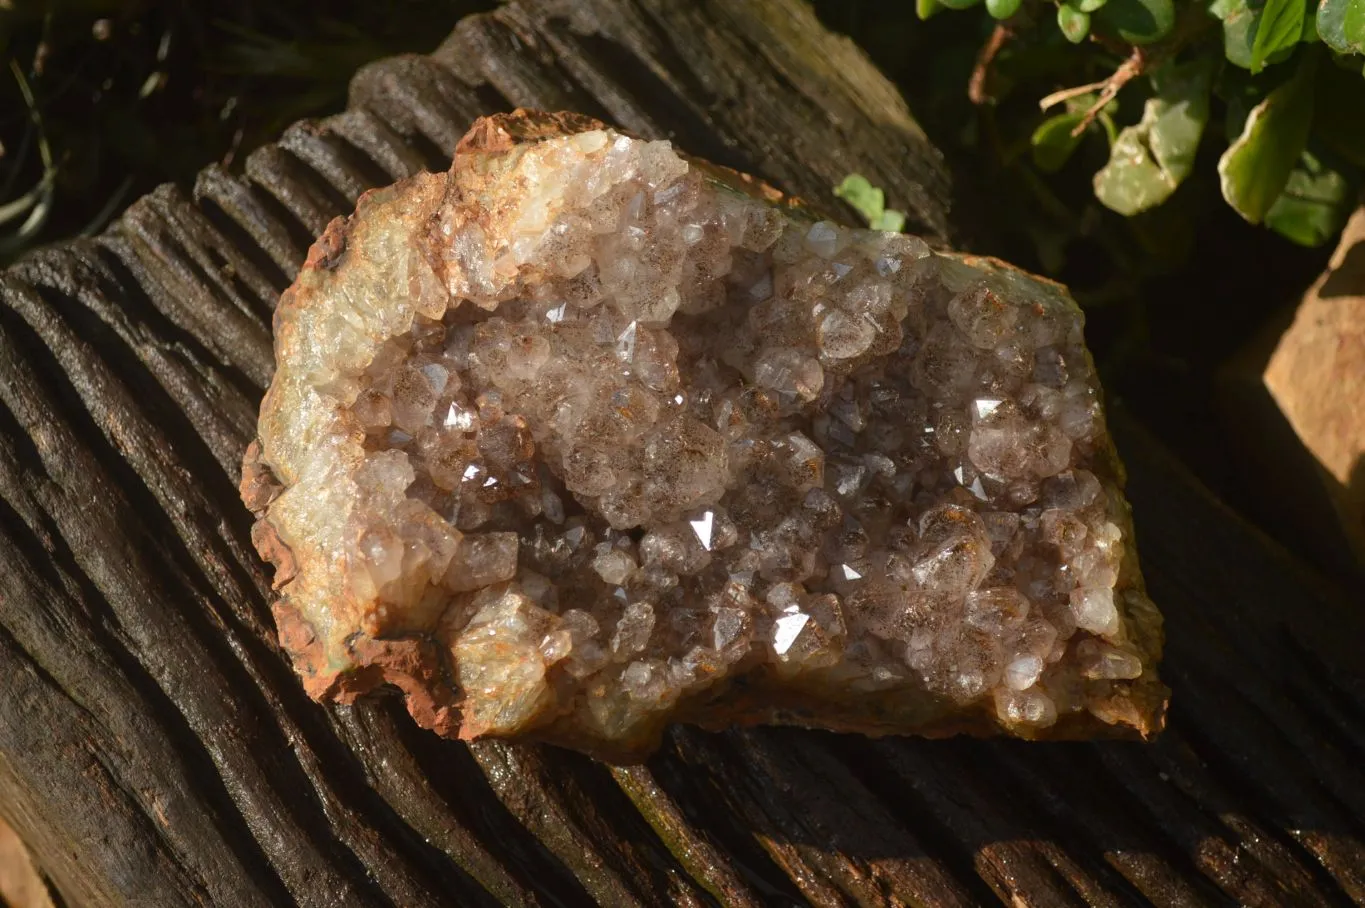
(326, 253)
(418, 264)
(494, 135)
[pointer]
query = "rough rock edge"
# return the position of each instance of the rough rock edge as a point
(420, 668)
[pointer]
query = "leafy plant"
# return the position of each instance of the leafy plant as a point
(1283, 77)
(870, 202)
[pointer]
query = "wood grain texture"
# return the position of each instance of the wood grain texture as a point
(156, 749)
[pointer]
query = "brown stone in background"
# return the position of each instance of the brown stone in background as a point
(20, 885)
(1317, 376)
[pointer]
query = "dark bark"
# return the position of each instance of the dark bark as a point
(156, 749)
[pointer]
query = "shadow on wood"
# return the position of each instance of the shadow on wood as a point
(155, 747)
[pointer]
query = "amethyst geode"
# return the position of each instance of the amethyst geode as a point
(586, 437)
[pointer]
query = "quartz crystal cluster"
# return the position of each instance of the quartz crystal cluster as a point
(586, 437)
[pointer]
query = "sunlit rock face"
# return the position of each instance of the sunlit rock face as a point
(586, 437)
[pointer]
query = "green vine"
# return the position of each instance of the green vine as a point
(1283, 76)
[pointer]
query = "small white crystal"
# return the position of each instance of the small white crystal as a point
(625, 343)
(589, 142)
(844, 336)
(702, 528)
(1104, 662)
(437, 376)
(556, 646)
(633, 630)
(728, 626)
(787, 628)
(1094, 610)
(823, 239)
(644, 681)
(985, 406)
(1030, 708)
(614, 566)
(1023, 672)
(459, 418)
(483, 559)
(787, 370)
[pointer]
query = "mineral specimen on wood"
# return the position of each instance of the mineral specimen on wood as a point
(586, 437)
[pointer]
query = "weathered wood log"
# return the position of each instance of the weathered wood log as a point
(156, 749)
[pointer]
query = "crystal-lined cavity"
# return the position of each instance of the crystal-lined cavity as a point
(611, 434)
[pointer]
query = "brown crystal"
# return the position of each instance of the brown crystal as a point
(586, 437)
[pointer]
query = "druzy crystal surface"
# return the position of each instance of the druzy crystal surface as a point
(586, 437)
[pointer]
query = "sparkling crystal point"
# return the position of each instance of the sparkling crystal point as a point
(702, 528)
(787, 628)
(625, 343)
(459, 418)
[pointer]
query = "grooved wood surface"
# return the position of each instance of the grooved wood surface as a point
(156, 749)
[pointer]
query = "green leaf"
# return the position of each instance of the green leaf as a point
(890, 219)
(1254, 169)
(1341, 25)
(866, 199)
(1278, 28)
(1089, 6)
(1137, 21)
(1315, 203)
(959, 4)
(1310, 30)
(870, 202)
(1241, 25)
(926, 8)
(1220, 9)
(1002, 9)
(1075, 25)
(1053, 142)
(1149, 160)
